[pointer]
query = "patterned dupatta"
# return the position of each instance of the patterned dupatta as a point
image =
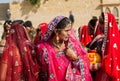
(18, 56)
(111, 47)
(83, 62)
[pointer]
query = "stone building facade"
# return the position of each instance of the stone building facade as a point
(3, 8)
(112, 6)
(83, 10)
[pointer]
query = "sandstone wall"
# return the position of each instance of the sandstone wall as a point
(83, 10)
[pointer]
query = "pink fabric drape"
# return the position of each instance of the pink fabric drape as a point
(61, 68)
(55, 65)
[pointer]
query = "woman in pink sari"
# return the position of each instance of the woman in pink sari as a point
(60, 55)
(18, 59)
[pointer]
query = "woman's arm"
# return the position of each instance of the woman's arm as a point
(70, 53)
(3, 71)
(93, 44)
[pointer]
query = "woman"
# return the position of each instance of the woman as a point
(94, 47)
(110, 46)
(6, 27)
(40, 32)
(30, 29)
(84, 37)
(109, 49)
(97, 39)
(60, 55)
(17, 62)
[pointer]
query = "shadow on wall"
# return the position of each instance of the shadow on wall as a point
(27, 7)
(3, 10)
(99, 7)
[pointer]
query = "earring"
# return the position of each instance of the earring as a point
(57, 38)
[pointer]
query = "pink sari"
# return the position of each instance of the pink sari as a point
(56, 66)
(62, 68)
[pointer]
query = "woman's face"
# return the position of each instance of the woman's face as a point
(65, 33)
(91, 30)
(8, 27)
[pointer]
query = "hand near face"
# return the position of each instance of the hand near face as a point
(70, 53)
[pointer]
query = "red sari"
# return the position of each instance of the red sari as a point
(84, 37)
(18, 62)
(110, 51)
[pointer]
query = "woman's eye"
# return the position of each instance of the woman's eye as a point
(67, 30)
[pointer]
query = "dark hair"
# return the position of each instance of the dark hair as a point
(7, 22)
(28, 24)
(91, 25)
(18, 21)
(92, 22)
(94, 17)
(63, 23)
(79, 29)
(101, 19)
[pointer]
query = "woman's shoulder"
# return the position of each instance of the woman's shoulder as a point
(43, 44)
(2, 43)
(100, 36)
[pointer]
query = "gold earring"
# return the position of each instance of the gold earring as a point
(57, 38)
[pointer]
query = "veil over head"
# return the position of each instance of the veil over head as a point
(52, 25)
(111, 46)
(43, 27)
(85, 38)
(18, 54)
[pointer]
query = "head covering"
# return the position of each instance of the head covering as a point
(43, 27)
(94, 27)
(97, 30)
(40, 32)
(52, 25)
(17, 55)
(111, 47)
(28, 24)
(85, 38)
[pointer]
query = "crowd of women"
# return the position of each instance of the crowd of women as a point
(54, 53)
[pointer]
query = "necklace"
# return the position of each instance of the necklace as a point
(56, 45)
(59, 45)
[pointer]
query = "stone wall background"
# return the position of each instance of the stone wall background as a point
(83, 10)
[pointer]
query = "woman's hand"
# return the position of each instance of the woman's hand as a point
(70, 53)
